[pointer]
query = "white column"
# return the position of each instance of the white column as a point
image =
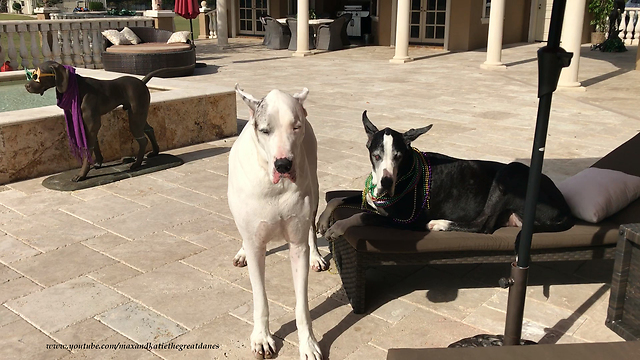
(221, 14)
(302, 47)
(570, 41)
(402, 33)
(494, 43)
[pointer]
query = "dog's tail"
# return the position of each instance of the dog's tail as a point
(172, 71)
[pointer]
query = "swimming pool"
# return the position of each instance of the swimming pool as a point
(13, 96)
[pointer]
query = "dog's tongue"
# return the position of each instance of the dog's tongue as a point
(278, 176)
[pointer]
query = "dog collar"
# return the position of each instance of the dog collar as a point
(35, 75)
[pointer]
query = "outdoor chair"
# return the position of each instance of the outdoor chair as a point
(277, 36)
(343, 34)
(366, 246)
(330, 35)
(293, 26)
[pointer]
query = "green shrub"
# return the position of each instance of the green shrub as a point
(96, 6)
(601, 10)
(16, 6)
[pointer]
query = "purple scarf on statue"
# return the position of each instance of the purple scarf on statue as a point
(70, 101)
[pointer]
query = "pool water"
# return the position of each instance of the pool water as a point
(13, 96)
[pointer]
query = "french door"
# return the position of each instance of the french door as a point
(250, 13)
(427, 21)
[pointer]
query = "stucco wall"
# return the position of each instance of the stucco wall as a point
(382, 30)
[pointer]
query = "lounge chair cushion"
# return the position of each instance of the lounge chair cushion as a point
(148, 48)
(594, 194)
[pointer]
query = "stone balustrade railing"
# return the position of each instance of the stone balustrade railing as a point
(211, 17)
(629, 29)
(69, 42)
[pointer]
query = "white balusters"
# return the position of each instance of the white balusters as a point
(55, 43)
(11, 48)
(86, 48)
(24, 54)
(96, 44)
(75, 43)
(35, 49)
(46, 51)
(629, 30)
(65, 28)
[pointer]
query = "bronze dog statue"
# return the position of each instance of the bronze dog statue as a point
(94, 99)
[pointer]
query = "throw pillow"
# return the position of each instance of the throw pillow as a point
(594, 194)
(116, 37)
(179, 37)
(131, 36)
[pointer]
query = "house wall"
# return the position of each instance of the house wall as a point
(382, 27)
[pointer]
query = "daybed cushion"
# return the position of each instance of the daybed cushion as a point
(594, 194)
(116, 37)
(131, 36)
(148, 48)
(378, 239)
(179, 37)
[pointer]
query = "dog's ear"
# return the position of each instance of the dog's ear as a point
(413, 134)
(368, 127)
(248, 99)
(62, 77)
(302, 96)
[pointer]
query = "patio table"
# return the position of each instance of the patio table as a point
(313, 22)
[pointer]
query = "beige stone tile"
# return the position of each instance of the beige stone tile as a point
(84, 332)
(450, 295)
(219, 205)
(12, 249)
(105, 207)
(64, 304)
(232, 337)
(40, 201)
(423, 328)
(20, 340)
(276, 314)
(368, 352)
(186, 195)
(491, 321)
(202, 297)
(338, 330)
(28, 187)
(279, 282)
(205, 182)
(90, 193)
(7, 316)
(154, 219)
(62, 264)
(113, 274)
(7, 274)
(218, 261)
(130, 353)
(188, 230)
(105, 241)
(16, 288)
(153, 251)
(140, 324)
(8, 215)
(208, 239)
(137, 187)
(594, 331)
(61, 229)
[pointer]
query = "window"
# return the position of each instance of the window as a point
(486, 9)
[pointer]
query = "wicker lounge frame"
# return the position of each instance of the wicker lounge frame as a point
(363, 247)
(144, 63)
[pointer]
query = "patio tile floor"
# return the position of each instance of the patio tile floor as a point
(149, 258)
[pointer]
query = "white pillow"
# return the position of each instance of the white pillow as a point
(131, 36)
(594, 194)
(179, 37)
(116, 37)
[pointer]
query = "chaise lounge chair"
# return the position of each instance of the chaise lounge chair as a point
(362, 247)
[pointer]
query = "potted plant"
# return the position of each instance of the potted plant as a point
(17, 7)
(600, 9)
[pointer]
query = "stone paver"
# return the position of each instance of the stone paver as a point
(148, 259)
(141, 324)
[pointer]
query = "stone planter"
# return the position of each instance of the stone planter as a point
(597, 38)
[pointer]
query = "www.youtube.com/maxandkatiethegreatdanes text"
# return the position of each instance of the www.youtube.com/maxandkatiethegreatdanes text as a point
(122, 346)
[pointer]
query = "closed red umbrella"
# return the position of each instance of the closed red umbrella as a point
(188, 9)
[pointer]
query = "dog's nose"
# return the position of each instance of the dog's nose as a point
(386, 182)
(283, 165)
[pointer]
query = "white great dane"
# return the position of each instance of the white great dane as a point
(273, 194)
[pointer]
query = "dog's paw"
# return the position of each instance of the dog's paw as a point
(240, 260)
(152, 154)
(135, 165)
(309, 349)
(317, 261)
(263, 346)
(97, 164)
(439, 225)
(323, 223)
(78, 178)
(336, 230)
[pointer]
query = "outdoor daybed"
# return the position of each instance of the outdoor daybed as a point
(152, 54)
(362, 247)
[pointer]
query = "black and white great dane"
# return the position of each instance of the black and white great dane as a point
(429, 191)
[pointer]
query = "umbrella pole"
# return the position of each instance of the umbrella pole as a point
(191, 25)
(551, 59)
